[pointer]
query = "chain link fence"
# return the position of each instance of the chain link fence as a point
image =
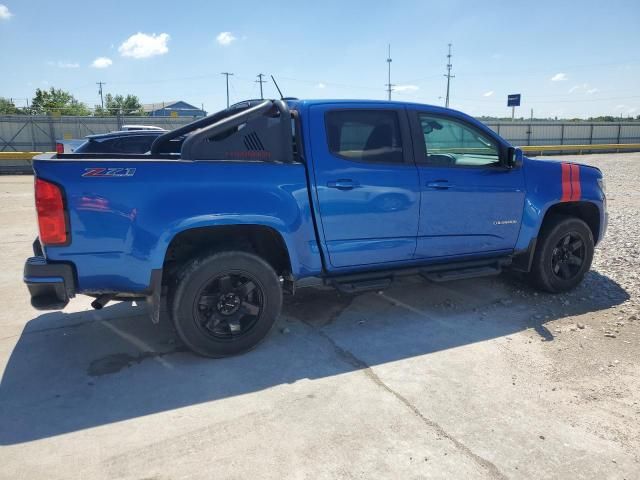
(38, 133)
(521, 133)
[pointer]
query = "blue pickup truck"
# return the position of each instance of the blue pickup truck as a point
(269, 196)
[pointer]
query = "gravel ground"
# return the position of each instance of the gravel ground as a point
(597, 349)
(482, 378)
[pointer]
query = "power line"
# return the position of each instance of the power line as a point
(548, 69)
(227, 74)
(419, 79)
(389, 84)
(261, 81)
(342, 85)
(100, 84)
(583, 100)
(449, 77)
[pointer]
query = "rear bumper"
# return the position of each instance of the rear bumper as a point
(51, 285)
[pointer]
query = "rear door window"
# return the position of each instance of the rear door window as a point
(365, 135)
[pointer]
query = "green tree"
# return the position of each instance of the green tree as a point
(119, 104)
(7, 107)
(57, 100)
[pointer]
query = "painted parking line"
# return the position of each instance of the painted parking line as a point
(139, 344)
(443, 322)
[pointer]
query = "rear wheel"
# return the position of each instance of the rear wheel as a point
(225, 303)
(563, 254)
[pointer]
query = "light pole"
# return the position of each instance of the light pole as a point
(227, 74)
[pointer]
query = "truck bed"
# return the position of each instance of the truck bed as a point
(125, 210)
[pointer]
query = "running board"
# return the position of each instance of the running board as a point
(461, 273)
(440, 272)
(362, 285)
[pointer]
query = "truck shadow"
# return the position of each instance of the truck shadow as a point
(74, 371)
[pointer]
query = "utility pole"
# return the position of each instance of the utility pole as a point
(449, 77)
(100, 84)
(227, 74)
(261, 81)
(389, 84)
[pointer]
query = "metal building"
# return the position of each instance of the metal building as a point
(173, 108)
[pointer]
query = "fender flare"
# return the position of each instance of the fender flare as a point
(204, 221)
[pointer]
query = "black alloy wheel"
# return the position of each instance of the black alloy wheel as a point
(229, 305)
(563, 254)
(568, 256)
(225, 303)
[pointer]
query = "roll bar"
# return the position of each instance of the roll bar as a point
(222, 121)
(163, 139)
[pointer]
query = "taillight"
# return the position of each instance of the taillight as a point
(59, 148)
(51, 215)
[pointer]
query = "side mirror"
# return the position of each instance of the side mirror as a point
(514, 157)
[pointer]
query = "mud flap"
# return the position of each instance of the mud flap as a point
(155, 299)
(523, 259)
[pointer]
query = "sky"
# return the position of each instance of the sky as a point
(567, 59)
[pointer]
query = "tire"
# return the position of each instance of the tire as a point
(563, 254)
(225, 303)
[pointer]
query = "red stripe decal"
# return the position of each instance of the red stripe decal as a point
(566, 182)
(575, 183)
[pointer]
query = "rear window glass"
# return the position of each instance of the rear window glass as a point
(127, 144)
(365, 135)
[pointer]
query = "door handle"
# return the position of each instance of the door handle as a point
(439, 184)
(344, 184)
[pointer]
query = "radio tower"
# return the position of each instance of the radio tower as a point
(449, 77)
(389, 84)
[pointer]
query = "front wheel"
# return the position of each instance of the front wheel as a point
(563, 254)
(225, 303)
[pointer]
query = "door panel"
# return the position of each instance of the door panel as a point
(366, 184)
(470, 204)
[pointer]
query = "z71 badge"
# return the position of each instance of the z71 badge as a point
(109, 172)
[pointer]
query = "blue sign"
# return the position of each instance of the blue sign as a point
(513, 100)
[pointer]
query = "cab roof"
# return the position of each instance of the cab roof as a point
(300, 104)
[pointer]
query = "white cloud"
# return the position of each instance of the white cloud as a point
(60, 64)
(583, 88)
(321, 85)
(406, 88)
(487, 94)
(102, 62)
(5, 14)
(142, 45)
(559, 77)
(225, 38)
